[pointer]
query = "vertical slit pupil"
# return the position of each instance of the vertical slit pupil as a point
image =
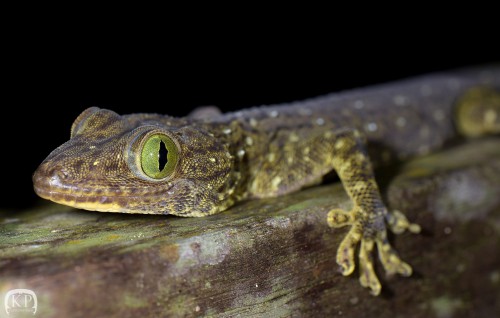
(162, 156)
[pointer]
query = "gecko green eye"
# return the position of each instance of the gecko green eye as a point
(159, 156)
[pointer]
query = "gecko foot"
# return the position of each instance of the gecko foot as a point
(367, 233)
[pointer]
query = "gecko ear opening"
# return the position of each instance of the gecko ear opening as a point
(81, 119)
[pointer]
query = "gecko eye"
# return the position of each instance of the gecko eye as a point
(159, 156)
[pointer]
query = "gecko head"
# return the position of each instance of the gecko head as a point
(142, 163)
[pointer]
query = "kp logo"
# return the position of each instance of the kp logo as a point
(20, 300)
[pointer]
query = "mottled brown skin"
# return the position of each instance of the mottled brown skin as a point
(270, 151)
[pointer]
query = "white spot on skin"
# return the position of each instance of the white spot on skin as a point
(453, 84)
(305, 112)
(345, 166)
(96, 163)
(425, 90)
(400, 100)
(438, 115)
(92, 147)
(346, 112)
(423, 150)
(271, 157)
(401, 121)
(226, 131)
(359, 104)
(276, 182)
(360, 157)
(253, 122)
(320, 121)
(339, 144)
(371, 127)
(249, 141)
(293, 137)
(424, 132)
(490, 117)
(241, 153)
(273, 114)
(359, 185)
(212, 159)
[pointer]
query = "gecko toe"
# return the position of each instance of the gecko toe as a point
(345, 252)
(339, 218)
(389, 258)
(368, 277)
(398, 223)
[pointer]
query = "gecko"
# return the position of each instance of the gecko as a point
(204, 163)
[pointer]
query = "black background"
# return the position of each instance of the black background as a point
(48, 82)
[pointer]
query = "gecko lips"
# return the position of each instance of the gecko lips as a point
(51, 183)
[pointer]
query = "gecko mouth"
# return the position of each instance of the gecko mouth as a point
(53, 186)
(80, 199)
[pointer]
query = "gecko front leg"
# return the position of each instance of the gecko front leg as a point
(368, 217)
(297, 159)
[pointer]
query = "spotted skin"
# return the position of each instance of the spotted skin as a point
(274, 150)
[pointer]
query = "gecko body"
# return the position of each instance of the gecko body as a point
(200, 165)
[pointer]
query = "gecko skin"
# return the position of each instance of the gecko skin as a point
(200, 165)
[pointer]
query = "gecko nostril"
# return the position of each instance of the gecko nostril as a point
(48, 176)
(62, 174)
